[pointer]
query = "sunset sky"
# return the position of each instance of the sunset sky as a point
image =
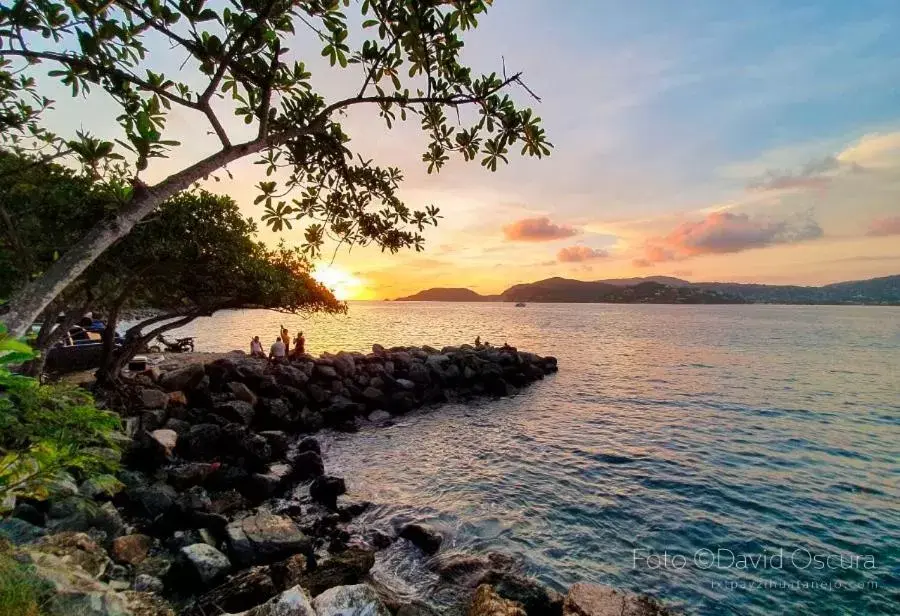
(742, 141)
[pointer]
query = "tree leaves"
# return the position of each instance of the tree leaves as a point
(235, 59)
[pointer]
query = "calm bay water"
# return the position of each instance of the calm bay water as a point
(756, 430)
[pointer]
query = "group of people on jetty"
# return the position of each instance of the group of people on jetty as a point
(281, 348)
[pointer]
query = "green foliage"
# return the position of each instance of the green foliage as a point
(240, 57)
(46, 430)
(44, 209)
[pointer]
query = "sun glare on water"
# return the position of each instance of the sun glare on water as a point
(342, 283)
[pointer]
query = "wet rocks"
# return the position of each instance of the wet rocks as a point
(423, 536)
(486, 602)
(307, 465)
(346, 568)
(536, 599)
(263, 538)
(596, 600)
(356, 600)
(325, 490)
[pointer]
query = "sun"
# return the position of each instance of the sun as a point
(342, 283)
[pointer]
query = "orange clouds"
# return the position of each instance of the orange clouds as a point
(537, 230)
(725, 232)
(884, 226)
(577, 254)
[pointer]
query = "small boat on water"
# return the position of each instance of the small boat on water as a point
(520, 305)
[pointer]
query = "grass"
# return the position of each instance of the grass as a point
(21, 592)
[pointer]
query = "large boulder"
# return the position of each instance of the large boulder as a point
(203, 442)
(182, 379)
(325, 372)
(167, 440)
(307, 465)
(78, 514)
(326, 489)
(310, 443)
(344, 364)
(486, 602)
(264, 538)
(345, 568)
(130, 549)
(467, 569)
(596, 600)
(204, 563)
(20, 532)
(423, 536)
(418, 373)
(78, 550)
(356, 600)
(246, 590)
(285, 374)
(236, 411)
(100, 487)
(184, 476)
(154, 398)
(151, 501)
(292, 602)
(242, 392)
(534, 597)
(278, 413)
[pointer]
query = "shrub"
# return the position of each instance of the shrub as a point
(47, 430)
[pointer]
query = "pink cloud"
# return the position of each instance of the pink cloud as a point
(723, 233)
(577, 254)
(884, 226)
(537, 230)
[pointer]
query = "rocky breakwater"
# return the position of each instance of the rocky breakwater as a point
(334, 390)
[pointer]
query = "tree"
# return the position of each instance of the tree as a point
(194, 257)
(196, 254)
(235, 57)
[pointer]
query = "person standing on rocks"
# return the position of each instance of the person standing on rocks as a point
(285, 337)
(278, 351)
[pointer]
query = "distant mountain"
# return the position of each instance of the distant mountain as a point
(580, 291)
(629, 282)
(668, 290)
(447, 295)
(884, 290)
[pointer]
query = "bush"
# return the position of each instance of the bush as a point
(47, 430)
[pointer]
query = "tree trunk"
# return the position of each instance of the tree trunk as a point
(28, 303)
(48, 337)
(135, 341)
(106, 373)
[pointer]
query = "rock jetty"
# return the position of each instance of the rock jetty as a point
(225, 506)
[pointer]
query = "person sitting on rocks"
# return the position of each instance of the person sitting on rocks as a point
(299, 345)
(278, 351)
(256, 349)
(477, 342)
